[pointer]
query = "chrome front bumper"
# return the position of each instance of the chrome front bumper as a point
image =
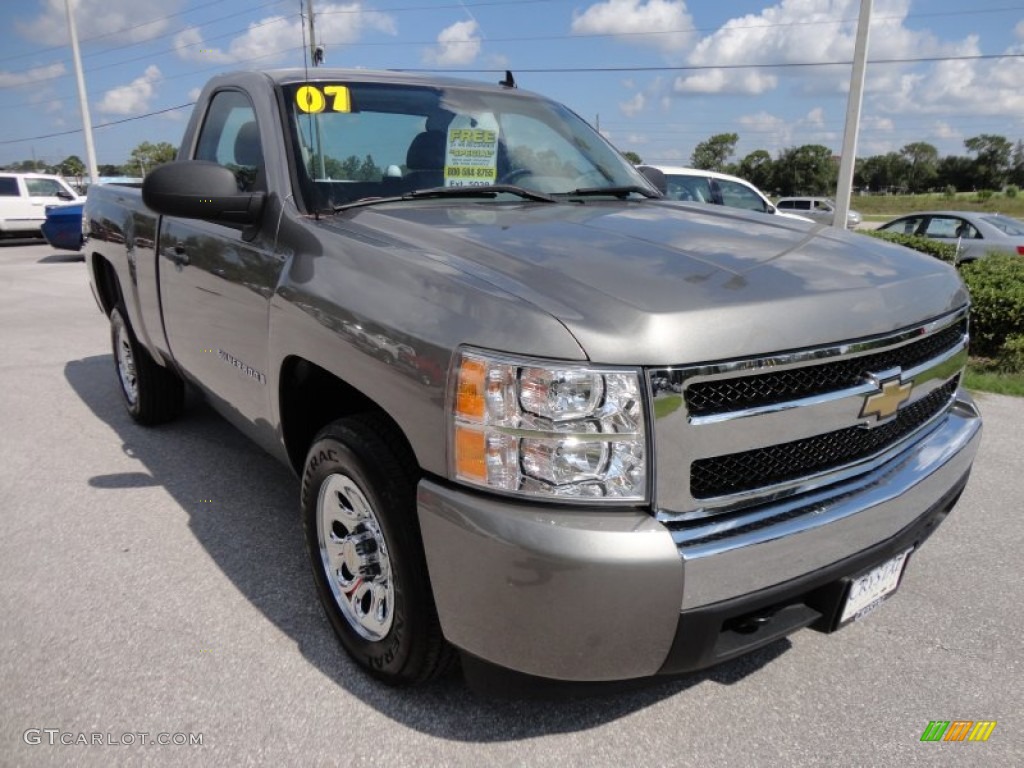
(596, 594)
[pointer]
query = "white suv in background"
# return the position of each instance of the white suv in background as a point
(699, 186)
(820, 209)
(23, 201)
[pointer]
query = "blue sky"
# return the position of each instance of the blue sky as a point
(663, 88)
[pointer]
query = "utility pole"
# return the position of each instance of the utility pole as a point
(316, 52)
(849, 157)
(83, 100)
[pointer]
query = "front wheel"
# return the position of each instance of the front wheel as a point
(359, 513)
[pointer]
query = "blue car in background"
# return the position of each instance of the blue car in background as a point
(63, 225)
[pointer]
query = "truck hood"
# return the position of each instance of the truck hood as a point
(658, 283)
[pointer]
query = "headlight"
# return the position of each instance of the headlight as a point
(548, 430)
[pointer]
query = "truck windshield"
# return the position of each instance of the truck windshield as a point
(354, 141)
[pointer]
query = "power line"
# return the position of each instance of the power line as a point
(122, 30)
(404, 43)
(99, 125)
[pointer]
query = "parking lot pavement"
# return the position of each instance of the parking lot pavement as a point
(153, 581)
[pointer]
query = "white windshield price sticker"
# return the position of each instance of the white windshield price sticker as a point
(471, 154)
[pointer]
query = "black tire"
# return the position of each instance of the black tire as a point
(151, 393)
(362, 534)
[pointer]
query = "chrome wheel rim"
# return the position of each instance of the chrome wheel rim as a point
(355, 557)
(126, 365)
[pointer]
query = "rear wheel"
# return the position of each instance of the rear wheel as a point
(151, 393)
(359, 513)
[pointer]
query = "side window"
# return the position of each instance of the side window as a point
(43, 187)
(738, 196)
(231, 137)
(904, 226)
(802, 205)
(8, 186)
(942, 226)
(689, 188)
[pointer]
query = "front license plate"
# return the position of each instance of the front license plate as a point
(868, 591)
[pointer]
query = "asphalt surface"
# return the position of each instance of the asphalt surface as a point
(154, 581)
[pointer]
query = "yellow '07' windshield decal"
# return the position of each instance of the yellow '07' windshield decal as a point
(317, 98)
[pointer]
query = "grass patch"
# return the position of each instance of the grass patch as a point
(982, 380)
(888, 206)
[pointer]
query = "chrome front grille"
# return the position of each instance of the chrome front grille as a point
(722, 395)
(735, 434)
(748, 470)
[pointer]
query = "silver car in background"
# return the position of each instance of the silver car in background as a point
(975, 234)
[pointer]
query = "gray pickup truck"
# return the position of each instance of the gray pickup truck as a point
(543, 418)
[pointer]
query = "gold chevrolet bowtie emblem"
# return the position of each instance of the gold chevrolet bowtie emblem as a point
(885, 403)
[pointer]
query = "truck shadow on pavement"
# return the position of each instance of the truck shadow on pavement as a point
(252, 532)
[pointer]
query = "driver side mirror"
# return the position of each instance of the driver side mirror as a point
(199, 189)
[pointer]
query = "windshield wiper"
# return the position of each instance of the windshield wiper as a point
(490, 191)
(620, 192)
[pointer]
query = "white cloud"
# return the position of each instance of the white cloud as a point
(188, 44)
(271, 38)
(668, 23)
(802, 31)
(456, 44)
(1018, 31)
(634, 105)
(31, 76)
(132, 98)
(193, 94)
(132, 20)
(944, 130)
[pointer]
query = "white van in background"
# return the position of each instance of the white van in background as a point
(23, 201)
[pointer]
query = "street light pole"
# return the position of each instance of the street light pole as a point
(83, 100)
(849, 156)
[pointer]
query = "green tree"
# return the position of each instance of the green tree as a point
(1017, 169)
(757, 168)
(992, 157)
(924, 160)
(713, 154)
(633, 157)
(369, 170)
(106, 169)
(146, 156)
(956, 171)
(73, 166)
(883, 173)
(805, 170)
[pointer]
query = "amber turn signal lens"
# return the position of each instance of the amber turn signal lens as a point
(469, 401)
(471, 454)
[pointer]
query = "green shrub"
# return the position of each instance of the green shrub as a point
(996, 283)
(983, 195)
(1011, 357)
(943, 251)
(949, 192)
(1012, 191)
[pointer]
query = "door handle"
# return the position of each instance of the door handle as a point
(180, 255)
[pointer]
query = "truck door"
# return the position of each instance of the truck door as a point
(215, 284)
